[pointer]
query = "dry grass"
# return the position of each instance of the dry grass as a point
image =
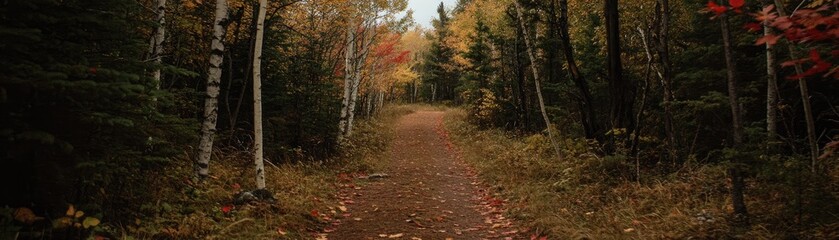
(183, 211)
(584, 196)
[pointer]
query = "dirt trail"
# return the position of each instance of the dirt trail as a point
(428, 193)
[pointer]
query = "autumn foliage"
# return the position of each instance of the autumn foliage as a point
(816, 29)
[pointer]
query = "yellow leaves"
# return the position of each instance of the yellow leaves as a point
(73, 218)
(90, 222)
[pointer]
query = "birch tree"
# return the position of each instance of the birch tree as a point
(536, 79)
(156, 45)
(362, 32)
(208, 128)
(259, 163)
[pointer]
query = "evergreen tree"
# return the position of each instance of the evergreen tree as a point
(439, 75)
(477, 77)
(78, 109)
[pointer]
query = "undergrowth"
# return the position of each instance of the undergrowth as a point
(304, 192)
(586, 196)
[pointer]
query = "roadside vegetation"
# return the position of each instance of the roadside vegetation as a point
(586, 196)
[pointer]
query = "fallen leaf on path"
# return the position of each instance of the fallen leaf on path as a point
(629, 230)
(342, 208)
(398, 235)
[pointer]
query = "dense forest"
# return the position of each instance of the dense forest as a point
(192, 119)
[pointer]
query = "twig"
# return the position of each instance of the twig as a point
(235, 223)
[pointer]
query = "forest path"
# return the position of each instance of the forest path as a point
(428, 193)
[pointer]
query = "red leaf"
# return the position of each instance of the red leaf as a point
(92, 70)
(315, 213)
(753, 27)
(226, 209)
(716, 8)
(814, 55)
(736, 3)
(768, 39)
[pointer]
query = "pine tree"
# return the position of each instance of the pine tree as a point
(77, 106)
(438, 65)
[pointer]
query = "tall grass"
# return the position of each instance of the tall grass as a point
(589, 197)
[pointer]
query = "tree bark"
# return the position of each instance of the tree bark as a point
(589, 119)
(259, 163)
(771, 93)
(156, 45)
(208, 128)
(535, 69)
(349, 55)
(805, 98)
(737, 182)
(620, 89)
(667, 80)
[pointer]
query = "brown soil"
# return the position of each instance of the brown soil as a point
(428, 193)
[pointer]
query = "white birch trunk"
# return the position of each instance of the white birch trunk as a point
(349, 55)
(358, 65)
(536, 78)
(156, 45)
(259, 163)
(208, 128)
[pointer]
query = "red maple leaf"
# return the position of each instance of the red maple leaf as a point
(768, 39)
(716, 8)
(315, 213)
(227, 208)
(736, 4)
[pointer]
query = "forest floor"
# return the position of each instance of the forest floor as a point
(425, 191)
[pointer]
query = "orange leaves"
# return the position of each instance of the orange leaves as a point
(768, 39)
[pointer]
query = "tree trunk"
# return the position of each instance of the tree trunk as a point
(156, 45)
(771, 93)
(535, 69)
(620, 89)
(667, 80)
(737, 182)
(349, 55)
(208, 129)
(805, 98)
(589, 120)
(259, 163)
